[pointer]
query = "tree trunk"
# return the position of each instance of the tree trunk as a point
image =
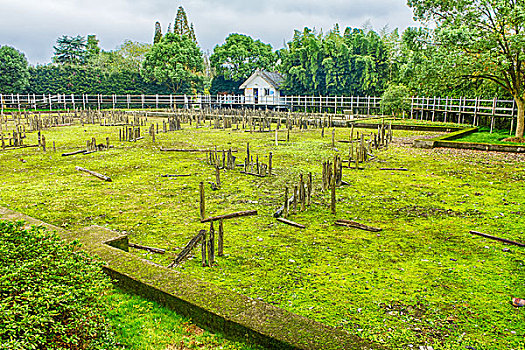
(520, 124)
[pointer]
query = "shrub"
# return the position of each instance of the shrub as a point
(395, 100)
(51, 294)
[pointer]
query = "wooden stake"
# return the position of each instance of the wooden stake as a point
(285, 207)
(309, 188)
(203, 248)
(220, 240)
(202, 204)
(211, 246)
(332, 202)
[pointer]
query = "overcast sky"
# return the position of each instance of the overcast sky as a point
(32, 26)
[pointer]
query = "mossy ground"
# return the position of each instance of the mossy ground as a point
(422, 280)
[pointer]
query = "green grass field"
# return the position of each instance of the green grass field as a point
(422, 280)
(485, 136)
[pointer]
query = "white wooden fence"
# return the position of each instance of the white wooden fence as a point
(462, 110)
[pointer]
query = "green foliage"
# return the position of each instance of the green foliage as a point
(487, 37)
(14, 71)
(181, 26)
(127, 58)
(70, 50)
(158, 33)
(219, 85)
(240, 56)
(355, 63)
(67, 79)
(92, 48)
(51, 296)
(175, 61)
(395, 100)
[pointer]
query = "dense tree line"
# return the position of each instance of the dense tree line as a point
(476, 49)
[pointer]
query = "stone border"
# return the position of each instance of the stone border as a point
(208, 306)
(445, 142)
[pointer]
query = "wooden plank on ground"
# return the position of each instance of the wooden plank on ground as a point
(497, 238)
(230, 216)
(175, 175)
(253, 174)
(100, 176)
(291, 223)
(143, 247)
(73, 153)
(394, 169)
(353, 224)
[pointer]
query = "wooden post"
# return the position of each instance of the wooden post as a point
(218, 176)
(302, 192)
(332, 202)
(295, 199)
(309, 188)
(220, 240)
(203, 248)
(285, 211)
(270, 164)
(202, 204)
(333, 137)
(211, 246)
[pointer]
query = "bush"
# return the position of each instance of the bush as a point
(51, 296)
(395, 100)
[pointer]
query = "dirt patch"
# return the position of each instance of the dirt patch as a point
(515, 139)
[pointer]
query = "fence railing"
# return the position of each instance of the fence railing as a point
(493, 112)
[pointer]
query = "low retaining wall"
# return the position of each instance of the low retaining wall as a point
(207, 305)
(446, 142)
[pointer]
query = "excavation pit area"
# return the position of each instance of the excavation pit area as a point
(384, 253)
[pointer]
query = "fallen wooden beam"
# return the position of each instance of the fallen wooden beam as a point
(291, 223)
(151, 249)
(353, 224)
(89, 152)
(497, 238)
(230, 216)
(175, 175)
(74, 152)
(100, 176)
(394, 169)
(252, 174)
(192, 150)
(188, 248)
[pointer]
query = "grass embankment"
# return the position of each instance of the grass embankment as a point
(485, 136)
(422, 280)
(140, 324)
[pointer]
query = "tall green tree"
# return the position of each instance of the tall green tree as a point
(301, 62)
(158, 33)
(92, 48)
(70, 50)
(175, 61)
(489, 36)
(181, 25)
(236, 59)
(14, 71)
(355, 63)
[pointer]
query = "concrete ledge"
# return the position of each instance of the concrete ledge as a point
(446, 141)
(207, 305)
